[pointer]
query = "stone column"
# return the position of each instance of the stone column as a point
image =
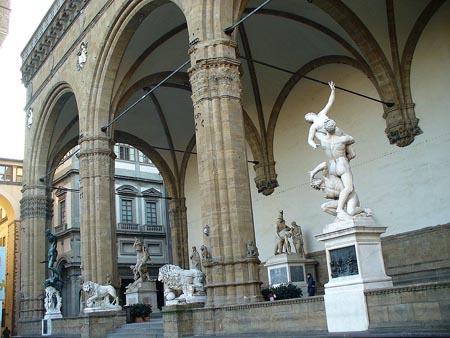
(97, 218)
(36, 209)
(232, 277)
(178, 231)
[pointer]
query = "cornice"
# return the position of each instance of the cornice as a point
(52, 28)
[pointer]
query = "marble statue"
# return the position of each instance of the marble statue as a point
(332, 186)
(205, 253)
(182, 286)
(297, 239)
(52, 303)
(98, 297)
(140, 269)
(252, 250)
(283, 232)
(82, 56)
(142, 258)
(195, 259)
(29, 118)
(335, 148)
(317, 124)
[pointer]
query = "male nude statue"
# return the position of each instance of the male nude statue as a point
(317, 124)
(335, 148)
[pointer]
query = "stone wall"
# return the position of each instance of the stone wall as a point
(418, 256)
(303, 314)
(424, 306)
(94, 325)
(413, 257)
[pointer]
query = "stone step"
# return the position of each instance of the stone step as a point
(151, 329)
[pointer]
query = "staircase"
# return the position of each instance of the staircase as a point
(151, 329)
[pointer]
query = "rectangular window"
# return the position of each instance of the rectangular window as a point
(143, 158)
(150, 213)
(125, 152)
(6, 173)
(19, 174)
(62, 212)
(126, 210)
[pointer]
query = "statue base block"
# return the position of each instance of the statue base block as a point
(56, 315)
(355, 264)
(290, 268)
(187, 300)
(102, 309)
(143, 292)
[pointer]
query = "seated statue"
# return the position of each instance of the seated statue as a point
(182, 286)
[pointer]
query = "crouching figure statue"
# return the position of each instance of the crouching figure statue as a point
(182, 286)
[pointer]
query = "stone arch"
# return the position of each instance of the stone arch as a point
(292, 82)
(367, 44)
(412, 41)
(12, 212)
(111, 53)
(40, 140)
(151, 153)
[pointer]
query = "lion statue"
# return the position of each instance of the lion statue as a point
(182, 285)
(99, 295)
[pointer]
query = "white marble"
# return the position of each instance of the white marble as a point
(182, 286)
(98, 298)
(344, 293)
(52, 303)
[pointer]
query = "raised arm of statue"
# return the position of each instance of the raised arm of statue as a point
(317, 120)
(330, 102)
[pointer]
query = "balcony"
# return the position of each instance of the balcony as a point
(141, 228)
(128, 227)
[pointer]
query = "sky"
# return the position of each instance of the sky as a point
(25, 16)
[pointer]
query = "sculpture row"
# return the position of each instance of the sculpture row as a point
(335, 180)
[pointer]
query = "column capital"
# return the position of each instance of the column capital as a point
(36, 207)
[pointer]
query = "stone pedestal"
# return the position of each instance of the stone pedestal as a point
(290, 268)
(46, 327)
(355, 264)
(98, 309)
(143, 292)
(52, 303)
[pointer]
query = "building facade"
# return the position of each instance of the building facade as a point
(11, 176)
(226, 130)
